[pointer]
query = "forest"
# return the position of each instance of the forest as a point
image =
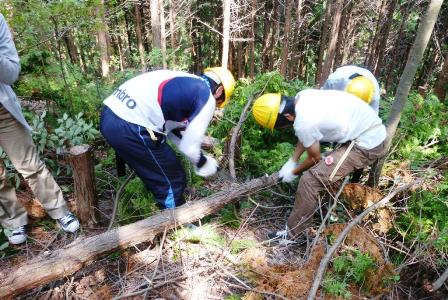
(384, 236)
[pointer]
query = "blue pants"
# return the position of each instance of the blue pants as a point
(155, 162)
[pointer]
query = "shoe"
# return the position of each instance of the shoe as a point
(18, 235)
(280, 236)
(277, 235)
(69, 223)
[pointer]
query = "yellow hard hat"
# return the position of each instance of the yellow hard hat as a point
(361, 87)
(265, 109)
(226, 79)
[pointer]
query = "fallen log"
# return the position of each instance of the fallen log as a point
(66, 261)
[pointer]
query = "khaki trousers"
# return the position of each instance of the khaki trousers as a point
(317, 179)
(18, 145)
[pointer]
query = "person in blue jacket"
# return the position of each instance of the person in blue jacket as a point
(143, 112)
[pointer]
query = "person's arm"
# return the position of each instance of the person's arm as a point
(313, 158)
(9, 59)
(298, 152)
(191, 141)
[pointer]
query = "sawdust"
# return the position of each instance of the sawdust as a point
(360, 197)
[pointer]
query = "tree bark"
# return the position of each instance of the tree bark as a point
(396, 48)
(71, 49)
(225, 33)
(84, 181)
(102, 40)
(382, 43)
(155, 26)
(323, 41)
(252, 42)
(415, 56)
(162, 33)
(441, 85)
(138, 33)
(267, 31)
(172, 13)
(285, 46)
(83, 252)
(331, 52)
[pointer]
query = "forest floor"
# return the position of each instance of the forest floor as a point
(217, 261)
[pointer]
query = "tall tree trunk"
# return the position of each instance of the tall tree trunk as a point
(415, 56)
(376, 36)
(102, 40)
(297, 44)
(71, 48)
(138, 32)
(382, 43)
(328, 62)
(162, 33)
(275, 30)
(128, 20)
(196, 44)
(268, 10)
(172, 13)
(225, 33)
(155, 24)
(252, 42)
(323, 40)
(285, 44)
(396, 48)
(344, 32)
(147, 24)
(441, 85)
(240, 59)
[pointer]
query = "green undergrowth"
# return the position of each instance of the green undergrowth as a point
(262, 150)
(135, 203)
(422, 134)
(352, 266)
(209, 235)
(426, 218)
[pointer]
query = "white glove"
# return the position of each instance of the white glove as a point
(209, 168)
(285, 174)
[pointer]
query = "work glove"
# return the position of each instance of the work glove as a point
(285, 174)
(209, 168)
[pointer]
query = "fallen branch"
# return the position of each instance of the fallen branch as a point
(117, 198)
(324, 263)
(439, 282)
(66, 261)
(234, 137)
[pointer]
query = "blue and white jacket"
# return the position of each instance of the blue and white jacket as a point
(167, 101)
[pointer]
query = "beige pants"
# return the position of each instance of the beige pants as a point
(317, 179)
(16, 141)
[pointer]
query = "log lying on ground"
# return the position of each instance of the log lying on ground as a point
(66, 261)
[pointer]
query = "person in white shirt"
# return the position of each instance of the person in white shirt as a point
(321, 116)
(144, 111)
(357, 81)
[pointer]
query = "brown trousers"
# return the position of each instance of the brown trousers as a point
(317, 179)
(18, 145)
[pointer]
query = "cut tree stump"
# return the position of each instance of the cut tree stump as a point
(84, 180)
(66, 261)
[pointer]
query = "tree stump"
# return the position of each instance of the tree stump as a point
(84, 181)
